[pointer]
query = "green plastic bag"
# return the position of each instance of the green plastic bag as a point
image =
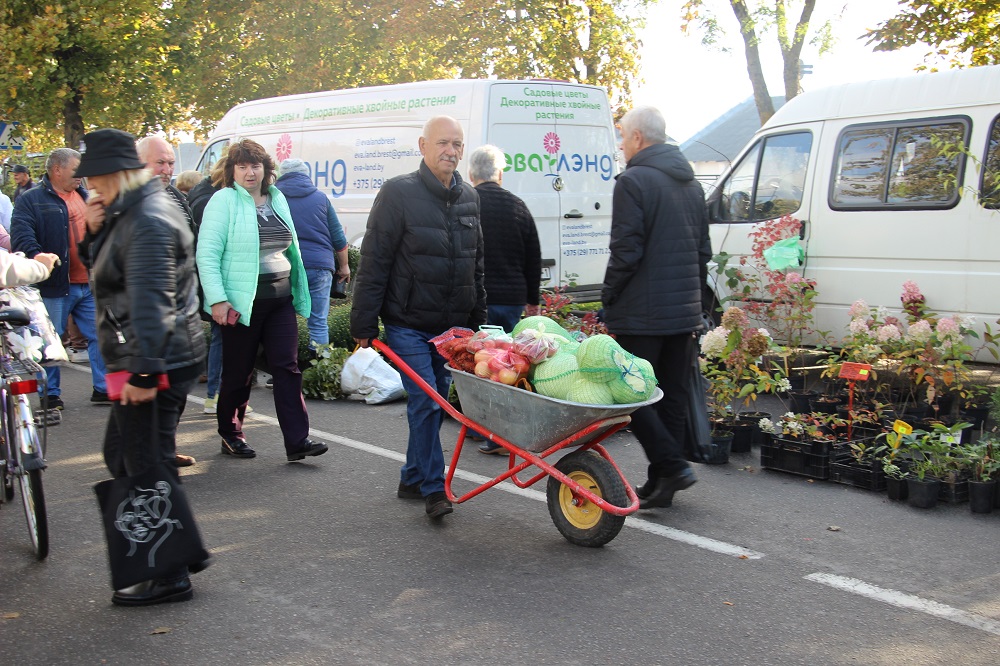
(784, 254)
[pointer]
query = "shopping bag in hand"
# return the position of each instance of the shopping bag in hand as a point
(149, 527)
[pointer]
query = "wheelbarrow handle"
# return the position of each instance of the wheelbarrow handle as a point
(420, 381)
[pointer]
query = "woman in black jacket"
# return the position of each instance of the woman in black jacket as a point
(141, 254)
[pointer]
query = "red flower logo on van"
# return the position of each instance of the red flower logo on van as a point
(284, 149)
(551, 143)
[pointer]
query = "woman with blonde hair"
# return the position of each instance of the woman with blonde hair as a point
(141, 254)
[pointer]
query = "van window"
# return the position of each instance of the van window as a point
(768, 181)
(990, 187)
(211, 156)
(898, 166)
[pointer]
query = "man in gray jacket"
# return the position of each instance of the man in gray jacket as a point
(653, 286)
(421, 270)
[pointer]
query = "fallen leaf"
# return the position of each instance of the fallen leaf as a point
(11, 616)
(743, 557)
(160, 630)
(728, 603)
(833, 528)
(809, 481)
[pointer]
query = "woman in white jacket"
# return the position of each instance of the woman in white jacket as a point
(16, 269)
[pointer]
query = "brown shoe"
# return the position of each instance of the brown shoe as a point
(183, 461)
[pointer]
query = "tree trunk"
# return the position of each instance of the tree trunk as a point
(765, 109)
(73, 120)
(791, 52)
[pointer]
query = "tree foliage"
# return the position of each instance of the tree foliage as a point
(790, 22)
(148, 65)
(961, 32)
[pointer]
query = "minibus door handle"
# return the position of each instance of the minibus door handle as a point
(573, 215)
(802, 230)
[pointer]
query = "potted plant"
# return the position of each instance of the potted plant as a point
(984, 468)
(731, 364)
(893, 466)
(800, 444)
(777, 298)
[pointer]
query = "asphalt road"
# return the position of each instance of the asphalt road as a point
(320, 563)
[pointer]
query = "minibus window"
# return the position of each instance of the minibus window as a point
(990, 188)
(769, 184)
(925, 171)
(782, 175)
(212, 155)
(738, 190)
(863, 157)
(899, 166)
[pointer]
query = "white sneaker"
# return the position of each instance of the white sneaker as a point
(78, 355)
(212, 403)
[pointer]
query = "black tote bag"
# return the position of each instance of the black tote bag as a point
(150, 530)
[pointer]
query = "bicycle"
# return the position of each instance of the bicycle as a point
(22, 453)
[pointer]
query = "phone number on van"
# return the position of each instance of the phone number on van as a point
(367, 183)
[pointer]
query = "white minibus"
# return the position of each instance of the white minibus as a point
(558, 137)
(893, 180)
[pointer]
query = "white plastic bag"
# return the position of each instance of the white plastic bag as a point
(366, 376)
(39, 341)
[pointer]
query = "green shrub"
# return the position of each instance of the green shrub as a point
(340, 325)
(322, 378)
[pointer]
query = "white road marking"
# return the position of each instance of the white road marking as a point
(853, 585)
(674, 534)
(907, 601)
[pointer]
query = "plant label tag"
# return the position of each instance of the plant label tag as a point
(902, 427)
(858, 372)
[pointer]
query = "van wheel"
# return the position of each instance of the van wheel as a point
(711, 308)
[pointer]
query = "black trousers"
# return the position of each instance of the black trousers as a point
(140, 436)
(660, 428)
(273, 325)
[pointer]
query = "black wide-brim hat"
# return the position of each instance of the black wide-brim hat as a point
(107, 151)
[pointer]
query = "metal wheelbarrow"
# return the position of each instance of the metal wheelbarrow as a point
(587, 495)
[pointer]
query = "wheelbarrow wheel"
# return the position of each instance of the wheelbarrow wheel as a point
(579, 520)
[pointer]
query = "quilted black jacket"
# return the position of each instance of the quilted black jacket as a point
(421, 258)
(659, 246)
(145, 285)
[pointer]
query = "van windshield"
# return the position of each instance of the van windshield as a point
(769, 180)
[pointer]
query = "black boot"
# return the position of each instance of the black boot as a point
(662, 494)
(156, 591)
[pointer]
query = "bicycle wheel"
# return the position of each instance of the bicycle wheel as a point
(34, 510)
(5, 472)
(22, 427)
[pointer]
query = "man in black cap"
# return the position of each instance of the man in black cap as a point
(23, 179)
(51, 218)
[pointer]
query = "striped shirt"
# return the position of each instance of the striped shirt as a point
(274, 280)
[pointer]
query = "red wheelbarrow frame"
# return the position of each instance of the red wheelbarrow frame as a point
(609, 425)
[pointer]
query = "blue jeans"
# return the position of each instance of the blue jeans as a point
(80, 304)
(424, 456)
(214, 362)
(504, 315)
(320, 282)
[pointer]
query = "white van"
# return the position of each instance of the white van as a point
(861, 166)
(558, 137)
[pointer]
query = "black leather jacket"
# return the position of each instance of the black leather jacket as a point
(145, 285)
(421, 258)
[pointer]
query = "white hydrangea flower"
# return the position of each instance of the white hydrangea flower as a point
(713, 344)
(859, 327)
(919, 332)
(784, 385)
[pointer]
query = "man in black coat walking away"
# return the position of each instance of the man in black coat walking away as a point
(653, 286)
